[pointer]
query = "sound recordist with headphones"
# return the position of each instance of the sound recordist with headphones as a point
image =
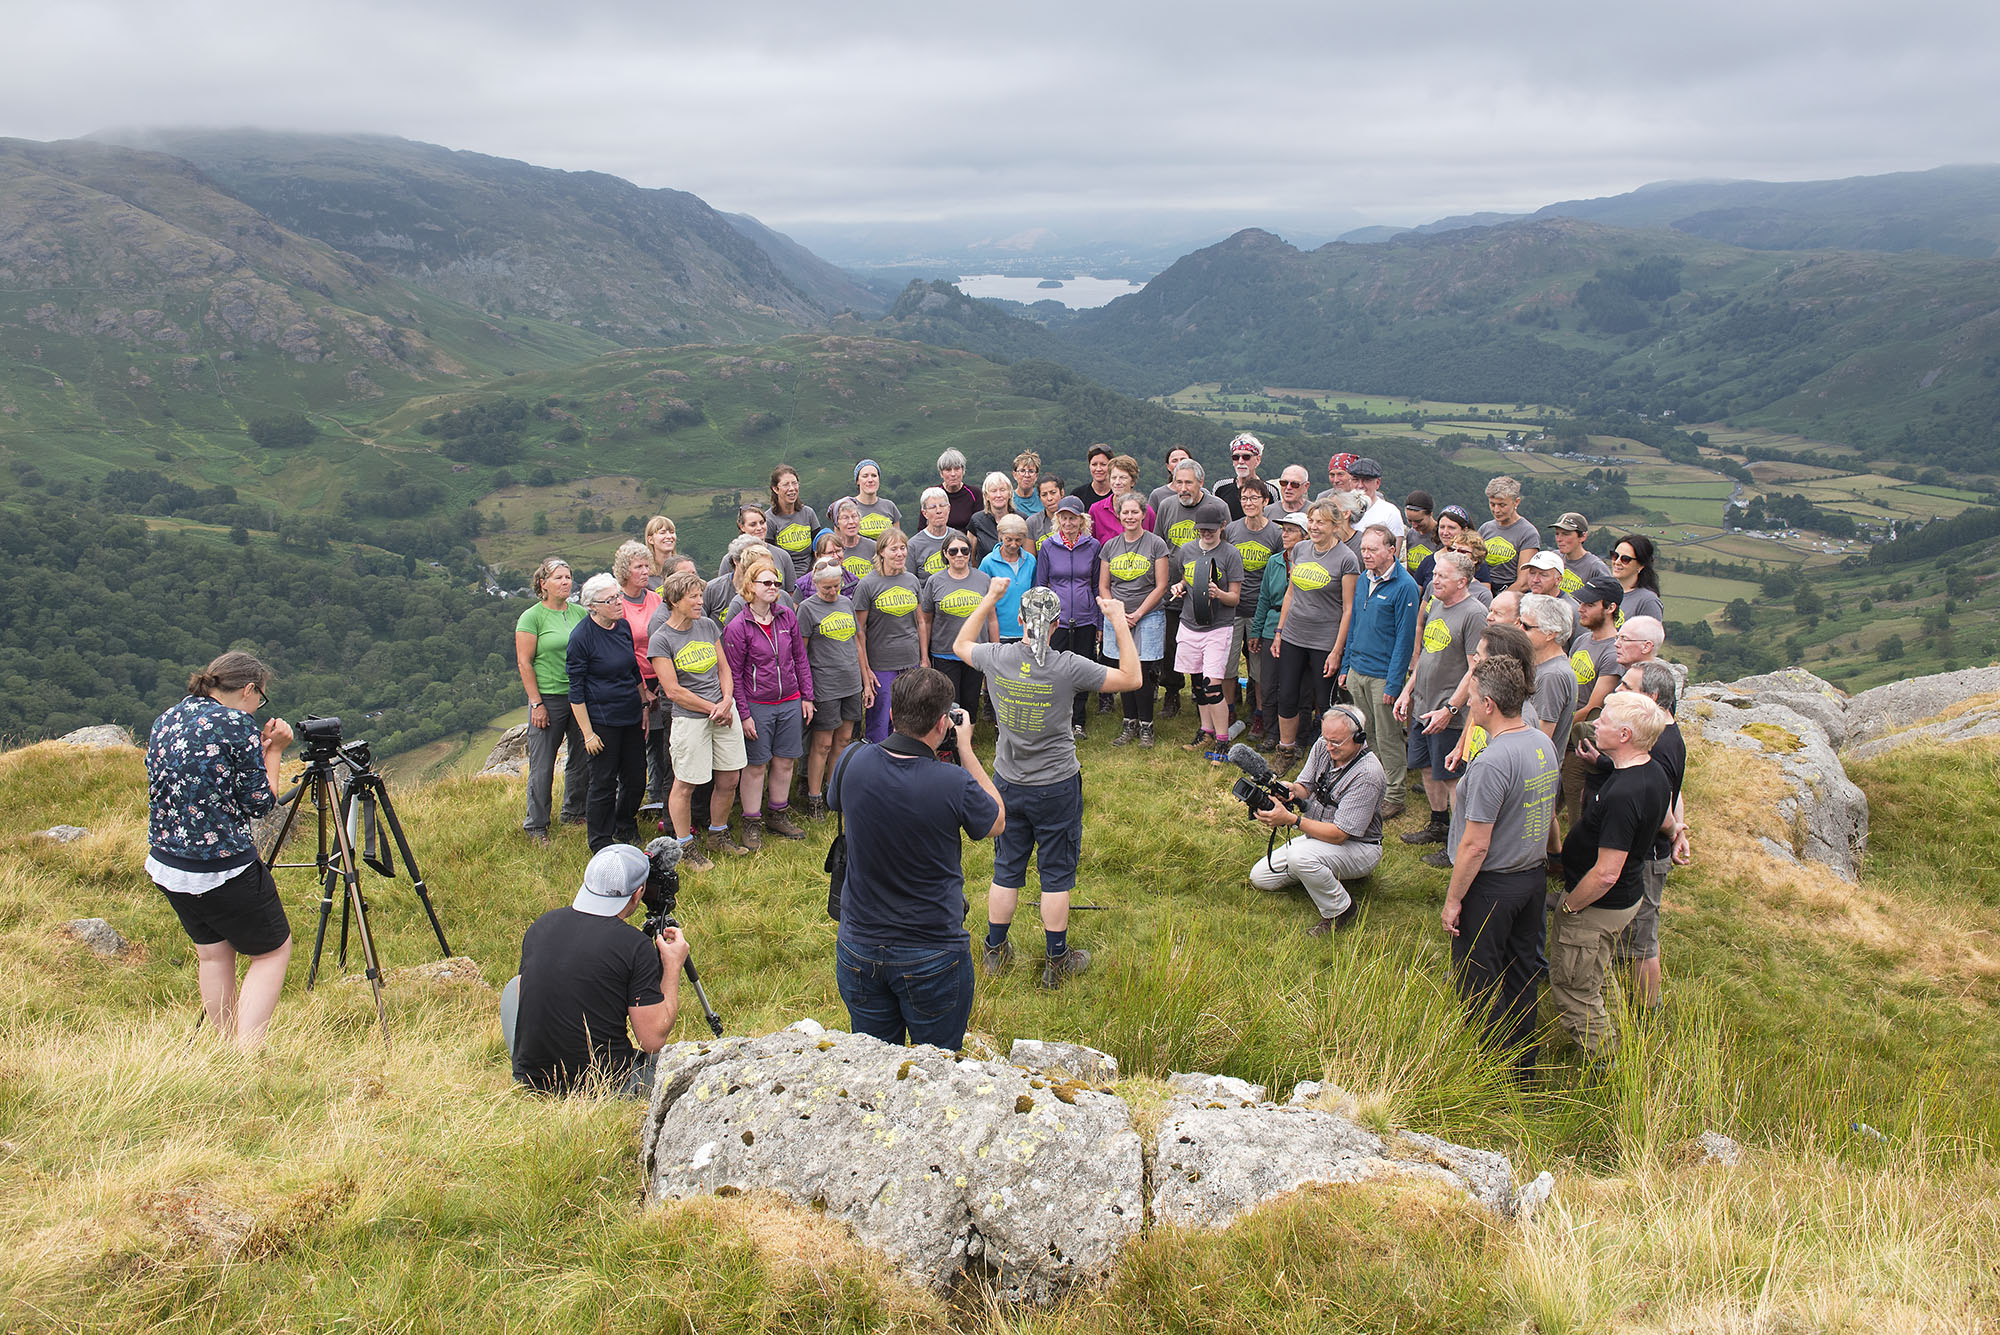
(1338, 817)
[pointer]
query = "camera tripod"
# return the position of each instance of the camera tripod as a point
(337, 860)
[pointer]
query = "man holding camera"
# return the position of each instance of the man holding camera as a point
(903, 958)
(1032, 687)
(584, 976)
(1338, 816)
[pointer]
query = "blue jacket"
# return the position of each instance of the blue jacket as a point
(1385, 622)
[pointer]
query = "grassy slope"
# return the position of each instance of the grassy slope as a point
(409, 1187)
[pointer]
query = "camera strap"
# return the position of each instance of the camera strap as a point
(364, 831)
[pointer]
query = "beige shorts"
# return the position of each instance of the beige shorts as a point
(699, 749)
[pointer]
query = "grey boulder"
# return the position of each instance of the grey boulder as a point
(948, 1166)
(99, 736)
(99, 935)
(509, 755)
(1071, 1059)
(64, 834)
(1825, 813)
(1899, 704)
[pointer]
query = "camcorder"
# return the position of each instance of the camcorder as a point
(661, 896)
(947, 750)
(1259, 789)
(321, 737)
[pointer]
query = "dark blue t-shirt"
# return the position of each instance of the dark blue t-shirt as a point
(903, 814)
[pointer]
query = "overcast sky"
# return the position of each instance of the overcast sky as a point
(864, 111)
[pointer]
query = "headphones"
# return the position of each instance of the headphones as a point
(1353, 716)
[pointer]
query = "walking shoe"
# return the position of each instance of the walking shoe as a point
(779, 821)
(1076, 731)
(1127, 734)
(1266, 742)
(722, 842)
(538, 836)
(1340, 922)
(1201, 741)
(1146, 736)
(998, 959)
(1434, 833)
(693, 859)
(575, 820)
(1170, 706)
(815, 806)
(1438, 857)
(1284, 757)
(1392, 810)
(753, 831)
(1066, 965)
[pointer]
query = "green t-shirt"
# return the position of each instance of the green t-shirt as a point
(551, 631)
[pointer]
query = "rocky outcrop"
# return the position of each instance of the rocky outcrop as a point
(958, 1166)
(948, 1166)
(1900, 704)
(1827, 816)
(100, 736)
(509, 756)
(1983, 721)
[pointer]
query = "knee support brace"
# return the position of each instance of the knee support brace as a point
(1207, 691)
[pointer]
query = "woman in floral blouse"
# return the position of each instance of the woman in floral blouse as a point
(210, 771)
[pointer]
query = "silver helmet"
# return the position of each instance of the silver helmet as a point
(1040, 611)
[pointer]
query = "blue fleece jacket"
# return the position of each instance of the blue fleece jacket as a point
(1385, 620)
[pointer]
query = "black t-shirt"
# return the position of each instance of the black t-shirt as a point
(1088, 493)
(579, 974)
(1231, 495)
(1670, 753)
(1624, 813)
(903, 812)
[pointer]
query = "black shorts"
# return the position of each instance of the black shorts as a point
(244, 910)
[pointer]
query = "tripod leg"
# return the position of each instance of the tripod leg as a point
(701, 995)
(290, 803)
(328, 873)
(357, 909)
(395, 824)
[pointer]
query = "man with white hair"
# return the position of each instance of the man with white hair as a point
(1032, 687)
(1292, 485)
(1553, 690)
(1603, 863)
(1639, 641)
(1245, 453)
(1337, 819)
(1174, 520)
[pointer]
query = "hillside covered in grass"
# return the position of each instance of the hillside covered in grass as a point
(1843, 1033)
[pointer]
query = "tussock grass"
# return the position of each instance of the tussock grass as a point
(149, 1177)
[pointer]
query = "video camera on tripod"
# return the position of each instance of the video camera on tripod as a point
(661, 896)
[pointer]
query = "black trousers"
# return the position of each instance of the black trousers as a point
(966, 681)
(1170, 680)
(1299, 684)
(1138, 704)
(1497, 956)
(617, 782)
(1081, 641)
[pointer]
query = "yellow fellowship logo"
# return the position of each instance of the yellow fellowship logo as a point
(1437, 636)
(696, 656)
(1130, 565)
(959, 603)
(839, 626)
(896, 601)
(1584, 666)
(1499, 551)
(1310, 576)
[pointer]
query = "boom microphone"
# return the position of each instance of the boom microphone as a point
(1259, 789)
(1246, 759)
(665, 853)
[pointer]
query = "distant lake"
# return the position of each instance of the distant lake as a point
(1076, 293)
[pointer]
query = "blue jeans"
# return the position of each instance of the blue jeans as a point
(922, 989)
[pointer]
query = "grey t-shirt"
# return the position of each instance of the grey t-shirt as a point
(1174, 520)
(859, 559)
(891, 602)
(1357, 793)
(792, 534)
(1587, 566)
(697, 656)
(1511, 785)
(717, 594)
(1555, 695)
(926, 552)
(949, 602)
(1032, 703)
(1504, 544)
(882, 514)
(1317, 598)
(1256, 550)
(1131, 563)
(1449, 635)
(1641, 603)
(1590, 659)
(1225, 568)
(831, 650)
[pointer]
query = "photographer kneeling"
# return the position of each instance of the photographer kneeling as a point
(584, 974)
(904, 961)
(1339, 820)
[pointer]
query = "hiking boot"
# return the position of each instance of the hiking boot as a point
(1393, 810)
(753, 831)
(1340, 922)
(1438, 857)
(538, 837)
(815, 806)
(1170, 706)
(1076, 731)
(1434, 833)
(1267, 742)
(1201, 741)
(1146, 736)
(778, 820)
(693, 859)
(1257, 724)
(1127, 734)
(1066, 965)
(996, 960)
(720, 842)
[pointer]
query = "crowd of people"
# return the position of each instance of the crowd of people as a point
(1381, 649)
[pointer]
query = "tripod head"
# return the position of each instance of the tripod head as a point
(324, 748)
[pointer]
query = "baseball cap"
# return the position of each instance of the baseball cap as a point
(1546, 560)
(1601, 589)
(1364, 468)
(1211, 513)
(613, 874)
(1070, 505)
(1572, 522)
(1296, 519)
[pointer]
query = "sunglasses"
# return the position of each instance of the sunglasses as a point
(1623, 556)
(769, 583)
(1240, 457)
(958, 551)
